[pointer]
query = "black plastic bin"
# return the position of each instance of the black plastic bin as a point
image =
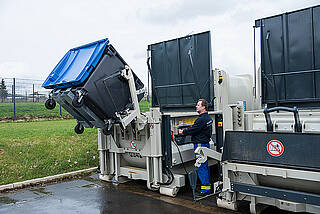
(87, 82)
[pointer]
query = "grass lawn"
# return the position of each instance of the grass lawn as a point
(29, 110)
(144, 105)
(38, 110)
(41, 148)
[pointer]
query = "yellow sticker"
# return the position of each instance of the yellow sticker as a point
(180, 122)
(186, 121)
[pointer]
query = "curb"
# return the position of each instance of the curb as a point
(47, 179)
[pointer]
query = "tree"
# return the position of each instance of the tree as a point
(3, 91)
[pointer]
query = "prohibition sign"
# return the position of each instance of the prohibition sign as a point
(275, 148)
(133, 144)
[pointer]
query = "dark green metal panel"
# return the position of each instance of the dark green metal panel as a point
(316, 24)
(299, 151)
(290, 58)
(181, 72)
(288, 195)
(166, 141)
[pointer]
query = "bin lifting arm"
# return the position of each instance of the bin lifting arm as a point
(134, 114)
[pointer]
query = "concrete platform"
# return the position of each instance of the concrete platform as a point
(91, 195)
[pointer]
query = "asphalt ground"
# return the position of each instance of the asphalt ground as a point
(91, 195)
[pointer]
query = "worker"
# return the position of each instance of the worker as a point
(201, 132)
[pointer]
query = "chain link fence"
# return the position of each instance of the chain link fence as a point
(24, 99)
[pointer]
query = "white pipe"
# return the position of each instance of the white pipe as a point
(156, 170)
(102, 152)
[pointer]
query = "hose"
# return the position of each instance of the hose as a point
(173, 140)
(170, 176)
(168, 171)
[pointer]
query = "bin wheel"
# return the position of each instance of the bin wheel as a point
(79, 128)
(77, 104)
(50, 104)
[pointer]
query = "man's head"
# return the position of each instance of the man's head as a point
(202, 106)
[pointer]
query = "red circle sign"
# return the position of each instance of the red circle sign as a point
(133, 144)
(275, 148)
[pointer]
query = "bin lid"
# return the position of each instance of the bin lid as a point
(76, 65)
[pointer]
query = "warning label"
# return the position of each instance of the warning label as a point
(275, 148)
(133, 144)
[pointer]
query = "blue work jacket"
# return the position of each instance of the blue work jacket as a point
(201, 130)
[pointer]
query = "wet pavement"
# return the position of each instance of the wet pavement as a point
(90, 195)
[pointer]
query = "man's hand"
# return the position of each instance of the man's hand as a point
(180, 131)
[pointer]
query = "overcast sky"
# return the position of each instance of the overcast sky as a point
(35, 34)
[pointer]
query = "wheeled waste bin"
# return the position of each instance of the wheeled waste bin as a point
(87, 82)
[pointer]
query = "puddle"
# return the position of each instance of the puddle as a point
(91, 179)
(89, 185)
(40, 191)
(7, 200)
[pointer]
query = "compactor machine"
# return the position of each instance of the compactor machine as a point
(96, 86)
(266, 134)
(271, 155)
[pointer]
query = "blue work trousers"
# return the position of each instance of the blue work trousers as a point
(203, 171)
